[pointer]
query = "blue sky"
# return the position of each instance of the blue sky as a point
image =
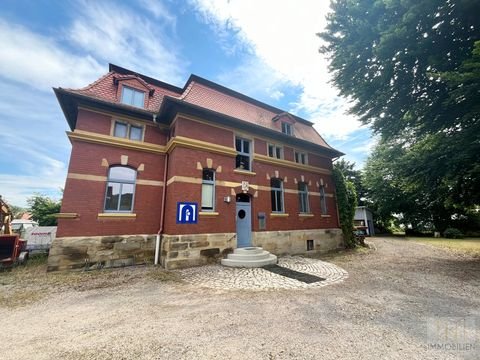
(265, 49)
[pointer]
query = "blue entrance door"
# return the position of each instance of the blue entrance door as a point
(244, 221)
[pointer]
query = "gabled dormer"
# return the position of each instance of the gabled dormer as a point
(285, 123)
(133, 90)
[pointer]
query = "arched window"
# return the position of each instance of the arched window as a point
(303, 197)
(277, 195)
(120, 189)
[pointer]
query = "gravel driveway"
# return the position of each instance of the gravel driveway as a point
(382, 311)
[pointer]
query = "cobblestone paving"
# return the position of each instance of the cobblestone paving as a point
(258, 279)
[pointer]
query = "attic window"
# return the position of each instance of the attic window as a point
(133, 97)
(287, 128)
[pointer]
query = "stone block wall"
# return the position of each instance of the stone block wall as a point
(70, 253)
(294, 242)
(181, 251)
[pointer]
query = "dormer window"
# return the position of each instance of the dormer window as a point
(133, 97)
(287, 128)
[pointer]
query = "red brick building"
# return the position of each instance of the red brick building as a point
(198, 170)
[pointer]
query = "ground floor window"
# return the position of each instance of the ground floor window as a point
(208, 190)
(323, 200)
(120, 189)
(303, 197)
(277, 195)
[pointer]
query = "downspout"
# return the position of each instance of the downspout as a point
(162, 214)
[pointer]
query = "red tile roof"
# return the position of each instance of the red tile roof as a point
(203, 93)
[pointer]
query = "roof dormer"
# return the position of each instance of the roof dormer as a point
(286, 122)
(132, 90)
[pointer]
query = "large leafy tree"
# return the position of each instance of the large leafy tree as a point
(411, 69)
(353, 175)
(43, 209)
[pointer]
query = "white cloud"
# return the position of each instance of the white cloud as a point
(35, 149)
(40, 62)
(255, 78)
(114, 33)
(282, 35)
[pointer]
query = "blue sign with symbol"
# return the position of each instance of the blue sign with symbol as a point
(187, 213)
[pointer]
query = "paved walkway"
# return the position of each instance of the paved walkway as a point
(220, 277)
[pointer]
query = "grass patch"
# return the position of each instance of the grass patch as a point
(466, 246)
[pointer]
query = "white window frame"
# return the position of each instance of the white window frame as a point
(273, 192)
(277, 151)
(212, 184)
(323, 200)
(129, 130)
(136, 92)
(121, 182)
(304, 203)
(287, 128)
(241, 152)
(298, 157)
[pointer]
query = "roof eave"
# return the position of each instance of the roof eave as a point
(70, 101)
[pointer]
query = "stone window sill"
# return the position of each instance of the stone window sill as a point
(278, 215)
(66, 215)
(326, 216)
(117, 216)
(244, 172)
(305, 215)
(208, 213)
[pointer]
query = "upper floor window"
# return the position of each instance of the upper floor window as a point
(129, 131)
(120, 189)
(323, 200)
(287, 128)
(243, 159)
(303, 197)
(275, 151)
(208, 190)
(277, 195)
(133, 97)
(301, 158)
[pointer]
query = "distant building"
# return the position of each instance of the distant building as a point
(364, 218)
(203, 169)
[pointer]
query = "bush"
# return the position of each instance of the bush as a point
(452, 233)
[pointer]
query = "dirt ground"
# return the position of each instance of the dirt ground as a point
(382, 311)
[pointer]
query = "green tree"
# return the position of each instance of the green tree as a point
(412, 69)
(354, 176)
(347, 201)
(43, 209)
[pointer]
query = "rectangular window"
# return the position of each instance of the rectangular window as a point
(133, 97)
(275, 151)
(277, 195)
(323, 200)
(128, 131)
(287, 128)
(208, 190)
(301, 158)
(242, 161)
(303, 197)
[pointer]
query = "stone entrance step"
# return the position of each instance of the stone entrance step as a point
(249, 257)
